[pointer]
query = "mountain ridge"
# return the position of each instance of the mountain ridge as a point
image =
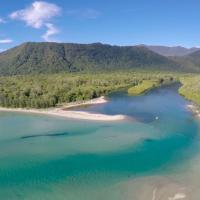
(191, 61)
(51, 57)
(172, 51)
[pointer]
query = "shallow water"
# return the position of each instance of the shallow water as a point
(45, 157)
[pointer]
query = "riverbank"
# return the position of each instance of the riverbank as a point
(194, 109)
(63, 112)
(99, 100)
(147, 85)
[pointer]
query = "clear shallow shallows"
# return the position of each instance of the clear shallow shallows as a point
(45, 157)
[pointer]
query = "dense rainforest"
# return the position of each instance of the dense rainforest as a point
(42, 75)
(40, 58)
(42, 91)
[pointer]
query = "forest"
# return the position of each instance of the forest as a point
(50, 90)
(43, 91)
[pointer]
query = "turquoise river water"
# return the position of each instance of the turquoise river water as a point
(154, 152)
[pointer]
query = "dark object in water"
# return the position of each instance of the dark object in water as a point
(45, 135)
(148, 140)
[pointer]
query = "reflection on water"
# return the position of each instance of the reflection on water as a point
(53, 158)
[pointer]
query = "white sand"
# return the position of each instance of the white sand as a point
(99, 100)
(194, 109)
(190, 106)
(71, 114)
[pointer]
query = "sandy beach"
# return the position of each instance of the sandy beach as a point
(63, 112)
(99, 100)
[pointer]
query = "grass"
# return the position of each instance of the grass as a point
(191, 88)
(143, 87)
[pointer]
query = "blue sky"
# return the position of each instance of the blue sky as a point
(120, 22)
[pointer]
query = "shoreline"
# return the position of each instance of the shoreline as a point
(99, 100)
(63, 112)
(194, 109)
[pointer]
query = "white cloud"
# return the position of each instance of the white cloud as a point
(37, 14)
(6, 41)
(51, 30)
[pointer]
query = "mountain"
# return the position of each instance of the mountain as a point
(194, 58)
(191, 61)
(172, 51)
(31, 58)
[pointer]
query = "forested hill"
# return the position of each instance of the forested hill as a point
(33, 58)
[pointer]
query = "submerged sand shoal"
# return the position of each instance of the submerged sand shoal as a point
(156, 188)
(63, 112)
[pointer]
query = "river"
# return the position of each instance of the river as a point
(154, 154)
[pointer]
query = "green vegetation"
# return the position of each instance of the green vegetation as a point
(43, 91)
(143, 87)
(191, 88)
(40, 58)
(146, 85)
(48, 74)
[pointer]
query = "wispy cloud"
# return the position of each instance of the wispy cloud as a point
(6, 41)
(51, 30)
(38, 15)
(88, 13)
